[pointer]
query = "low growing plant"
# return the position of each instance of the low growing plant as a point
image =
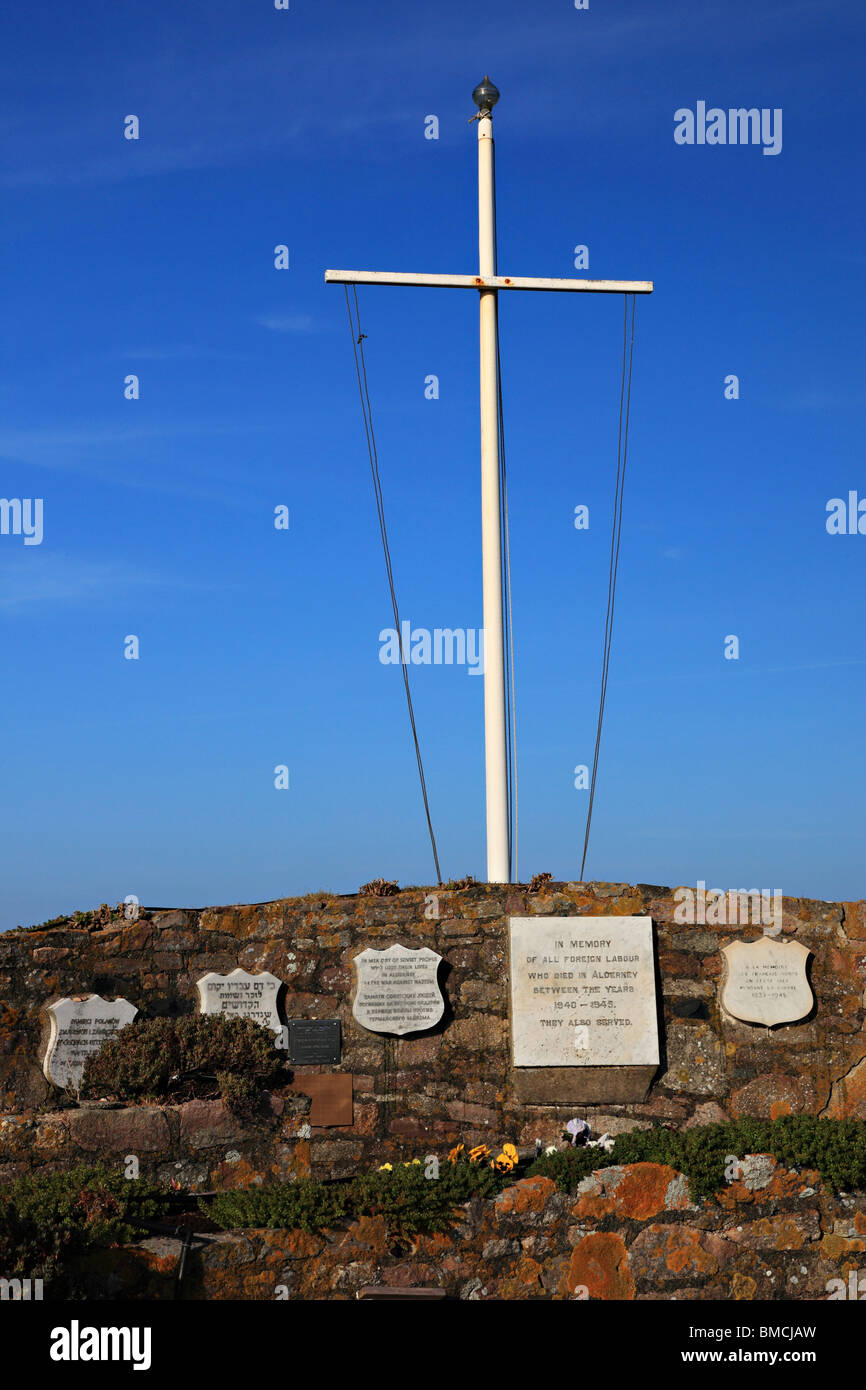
(408, 1196)
(379, 888)
(306, 1205)
(46, 1218)
(170, 1058)
(836, 1148)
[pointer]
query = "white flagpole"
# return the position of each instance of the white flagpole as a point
(488, 285)
(485, 97)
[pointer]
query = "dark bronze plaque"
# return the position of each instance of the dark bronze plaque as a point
(314, 1041)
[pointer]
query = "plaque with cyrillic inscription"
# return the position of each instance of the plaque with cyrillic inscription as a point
(397, 990)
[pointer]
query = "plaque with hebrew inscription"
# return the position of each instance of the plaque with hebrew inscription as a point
(240, 994)
(583, 992)
(397, 990)
(765, 981)
(79, 1027)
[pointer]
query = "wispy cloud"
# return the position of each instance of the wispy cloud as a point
(32, 577)
(93, 450)
(16, 443)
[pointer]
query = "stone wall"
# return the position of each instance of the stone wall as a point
(416, 1094)
(628, 1232)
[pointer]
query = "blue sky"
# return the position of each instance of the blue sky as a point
(260, 647)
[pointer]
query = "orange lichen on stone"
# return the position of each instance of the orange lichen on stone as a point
(529, 1194)
(434, 1246)
(636, 1190)
(599, 1264)
(855, 921)
(771, 1232)
(367, 1235)
(289, 1244)
(781, 1184)
(529, 1271)
(772, 1096)
(238, 1173)
(834, 1247)
(676, 1252)
(848, 1097)
(743, 1287)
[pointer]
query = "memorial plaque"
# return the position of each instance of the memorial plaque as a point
(241, 995)
(314, 1041)
(583, 1000)
(331, 1097)
(79, 1027)
(397, 990)
(765, 981)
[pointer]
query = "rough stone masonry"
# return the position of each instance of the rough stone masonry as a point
(416, 1094)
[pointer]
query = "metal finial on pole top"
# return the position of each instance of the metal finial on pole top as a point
(485, 96)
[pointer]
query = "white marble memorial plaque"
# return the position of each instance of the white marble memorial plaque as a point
(397, 990)
(583, 992)
(765, 981)
(241, 995)
(79, 1027)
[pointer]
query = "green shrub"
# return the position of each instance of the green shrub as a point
(459, 1182)
(293, 1206)
(240, 1093)
(170, 1058)
(836, 1148)
(47, 1217)
(567, 1167)
(410, 1203)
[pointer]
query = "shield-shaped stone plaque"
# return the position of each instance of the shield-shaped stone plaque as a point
(765, 981)
(397, 990)
(240, 994)
(79, 1027)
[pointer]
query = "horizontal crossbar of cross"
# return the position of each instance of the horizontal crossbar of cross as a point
(485, 282)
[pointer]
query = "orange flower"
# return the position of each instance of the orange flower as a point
(480, 1151)
(502, 1163)
(455, 1153)
(510, 1152)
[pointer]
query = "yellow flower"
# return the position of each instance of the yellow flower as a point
(386, 1168)
(480, 1151)
(455, 1153)
(502, 1163)
(510, 1152)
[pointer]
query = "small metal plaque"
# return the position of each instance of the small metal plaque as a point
(314, 1041)
(331, 1095)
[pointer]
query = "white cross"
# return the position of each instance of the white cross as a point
(488, 283)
